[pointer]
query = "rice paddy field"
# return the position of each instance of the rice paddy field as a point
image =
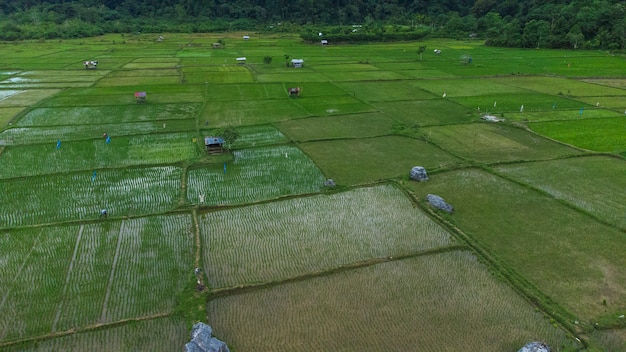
(306, 232)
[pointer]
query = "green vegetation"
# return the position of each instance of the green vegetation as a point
(534, 246)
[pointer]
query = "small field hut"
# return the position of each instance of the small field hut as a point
(297, 63)
(324, 42)
(214, 145)
(140, 97)
(241, 60)
(90, 65)
(294, 91)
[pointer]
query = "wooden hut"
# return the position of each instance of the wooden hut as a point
(294, 91)
(214, 145)
(140, 97)
(297, 63)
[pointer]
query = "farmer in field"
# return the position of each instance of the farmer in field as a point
(103, 213)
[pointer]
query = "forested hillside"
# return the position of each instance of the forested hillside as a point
(515, 23)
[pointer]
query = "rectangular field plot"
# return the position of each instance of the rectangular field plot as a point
(522, 103)
(29, 160)
(385, 91)
(134, 336)
(256, 136)
(442, 302)
(341, 126)
(602, 134)
(595, 184)
(10, 98)
(466, 87)
(138, 81)
(251, 112)
(560, 86)
(80, 196)
(345, 161)
(253, 91)
(281, 240)
(6, 115)
(558, 114)
(82, 275)
(335, 105)
(426, 112)
(291, 75)
(157, 72)
(255, 175)
(108, 114)
(491, 143)
(200, 77)
(574, 260)
(371, 75)
(51, 134)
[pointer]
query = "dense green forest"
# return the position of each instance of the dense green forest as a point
(516, 23)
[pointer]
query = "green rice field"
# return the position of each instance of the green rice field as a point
(120, 228)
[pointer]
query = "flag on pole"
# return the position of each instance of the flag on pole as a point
(59, 144)
(224, 168)
(581, 111)
(108, 140)
(93, 177)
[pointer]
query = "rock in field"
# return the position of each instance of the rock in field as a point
(439, 203)
(202, 341)
(418, 173)
(535, 347)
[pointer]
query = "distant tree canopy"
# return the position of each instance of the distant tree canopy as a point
(514, 23)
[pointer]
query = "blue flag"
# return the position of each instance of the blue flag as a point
(93, 177)
(59, 144)
(224, 168)
(581, 111)
(108, 140)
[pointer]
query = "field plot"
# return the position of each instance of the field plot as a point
(6, 115)
(255, 175)
(137, 336)
(256, 136)
(138, 81)
(217, 74)
(557, 114)
(280, 240)
(78, 196)
(561, 86)
(229, 92)
(530, 102)
(427, 112)
(368, 160)
(292, 75)
(29, 160)
(426, 303)
(602, 134)
(611, 82)
(465, 87)
(107, 114)
(595, 184)
(51, 134)
(341, 126)
(492, 143)
(250, 112)
(363, 75)
(322, 106)
(386, 91)
(99, 273)
(24, 98)
(156, 72)
(98, 96)
(570, 257)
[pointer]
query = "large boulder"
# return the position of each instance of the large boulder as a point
(535, 347)
(202, 341)
(418, 173)
(439, 203)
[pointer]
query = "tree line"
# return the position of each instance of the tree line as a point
(589, 24)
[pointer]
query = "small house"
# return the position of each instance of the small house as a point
(324, 42)
(294, 91)
(246, 37)
(90, 65)
(140, 97)
(297, 63)
(214, 145)
(216, 45)
(241, 60)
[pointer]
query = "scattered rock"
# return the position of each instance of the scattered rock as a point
(439, 203)
(202, 341)
(329, 183)
(491, 118)
(418, 173)
(535, 347)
